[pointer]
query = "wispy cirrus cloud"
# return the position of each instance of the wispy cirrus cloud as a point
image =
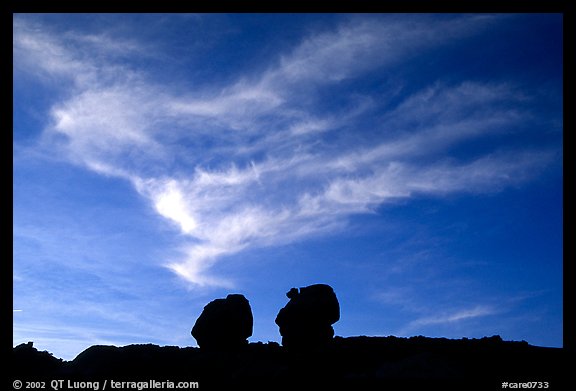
(447, 314)
(363, 44)
(258, 163)
(451, 317)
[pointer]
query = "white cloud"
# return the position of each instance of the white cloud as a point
(258, 168)
(85, 60)
(365, 44)
(310, 126)
(171, 204)
(232, 106)
(456, 316)
(431, 311)
(196, 263)
(42, 55)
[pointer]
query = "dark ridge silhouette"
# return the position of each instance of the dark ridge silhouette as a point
(26, 358)
(357, 362)
(224, 324)
(306, 321)
(310, 358)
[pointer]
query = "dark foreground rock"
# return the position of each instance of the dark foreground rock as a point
(224, 324)
(306, 320)
(357, 362)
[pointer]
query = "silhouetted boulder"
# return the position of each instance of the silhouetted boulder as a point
(306, 320)
(225, 324)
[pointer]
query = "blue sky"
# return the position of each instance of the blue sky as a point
(411, 161)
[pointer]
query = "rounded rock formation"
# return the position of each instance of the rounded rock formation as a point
(224, 324)
(306, 320)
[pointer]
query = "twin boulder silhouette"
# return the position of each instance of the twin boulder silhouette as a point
(305, 322)
(226, 359)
